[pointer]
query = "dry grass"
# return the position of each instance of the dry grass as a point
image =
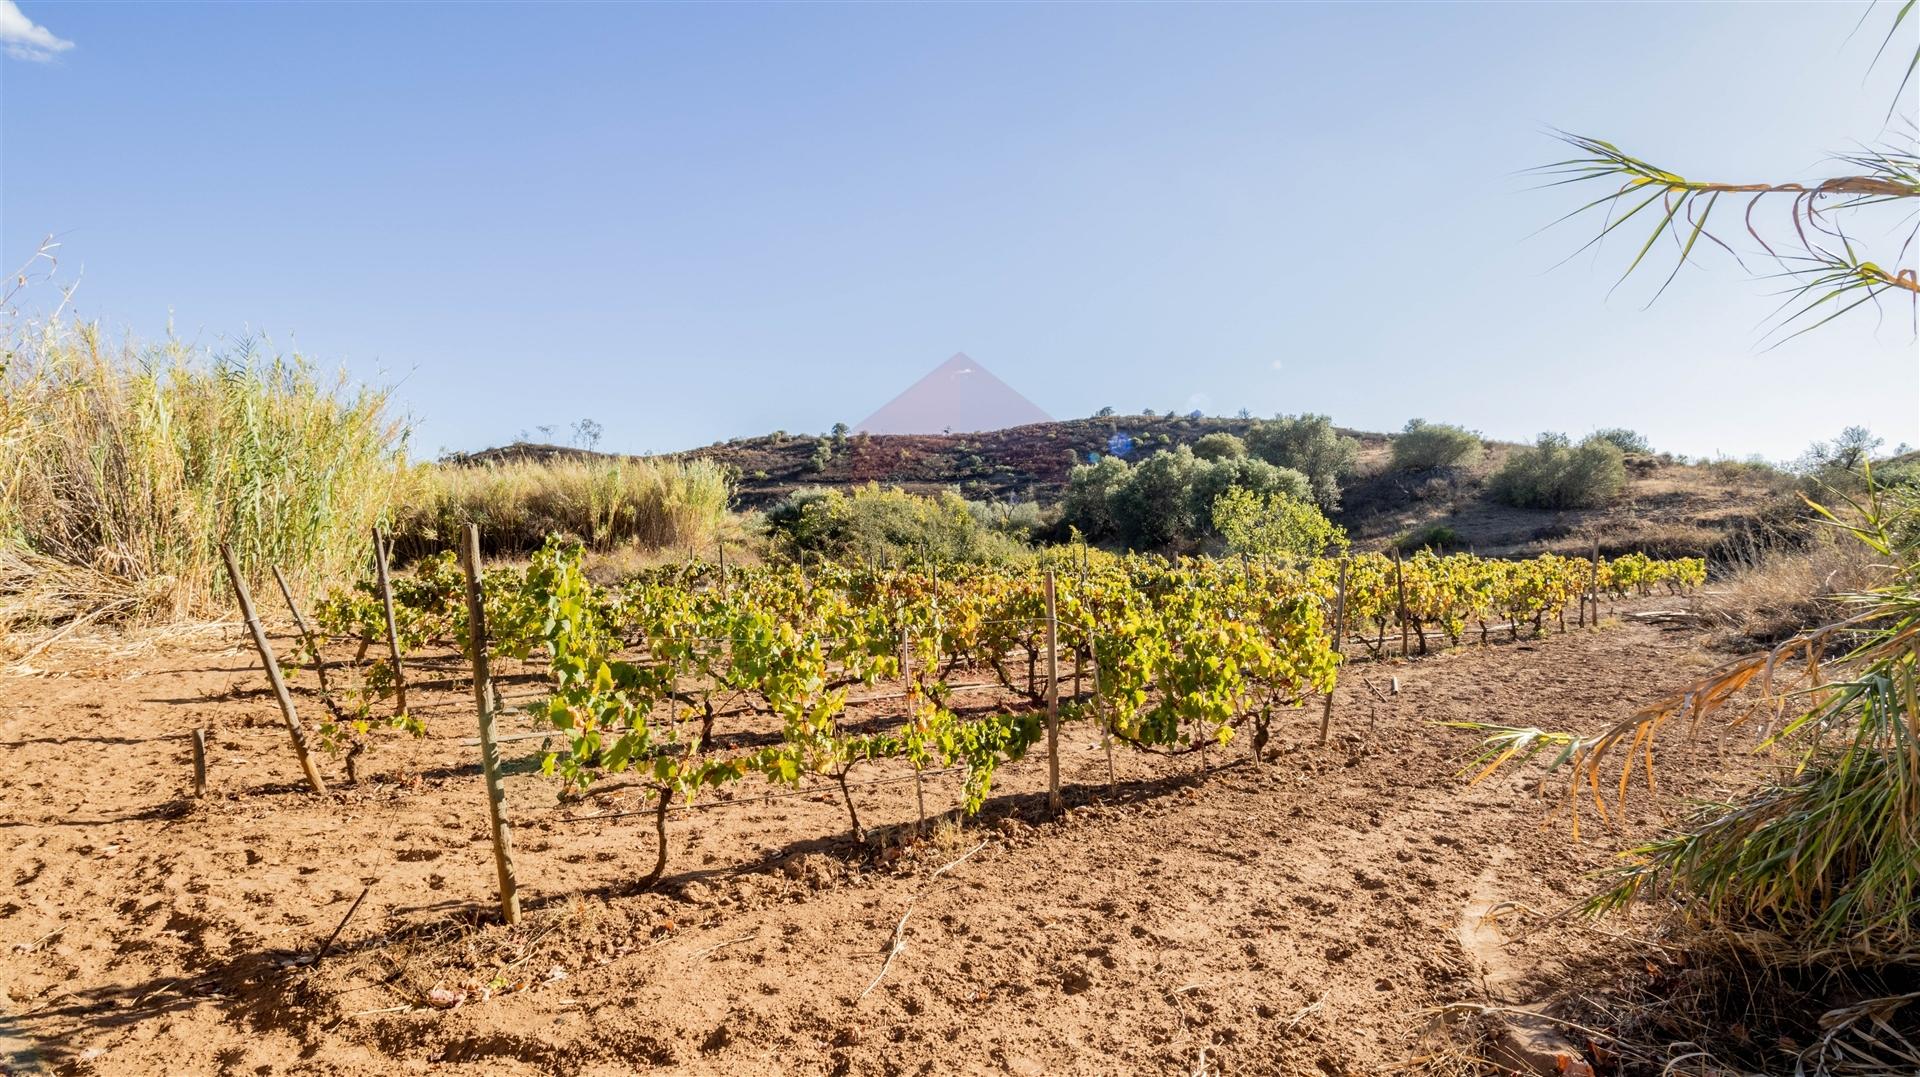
(609, 503)
(1776, 590)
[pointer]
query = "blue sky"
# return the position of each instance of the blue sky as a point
(697, 222)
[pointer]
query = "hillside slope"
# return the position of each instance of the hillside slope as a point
(1667, 509)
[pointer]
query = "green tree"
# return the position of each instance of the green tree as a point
(1089, 497)
(1274, 524)
(1154, 507)
(1310, 445)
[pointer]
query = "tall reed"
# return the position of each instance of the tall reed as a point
(123, 467)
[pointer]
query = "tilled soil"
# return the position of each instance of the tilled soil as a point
(1207, 915)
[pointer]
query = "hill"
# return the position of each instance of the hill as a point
(1668, 508)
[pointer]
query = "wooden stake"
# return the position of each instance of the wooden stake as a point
(306, 630)
(200, 763)
(1593, 581)
(1339, 634)
(272, 666)
(386, 606)
(913, 718)
(1400, 581)
(489, 750)
(1053, 701)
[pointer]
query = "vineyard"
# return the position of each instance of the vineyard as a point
(658, 826)
(674, 674)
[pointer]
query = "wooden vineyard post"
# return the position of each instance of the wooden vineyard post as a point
(386, 606)
(720, 546)
(489, 748)
(200, 763)
(1400, 583)
(1053, 700)
(272, 667)
(306, 630)
(1593, 581)
(1339, 633)
(913, 719)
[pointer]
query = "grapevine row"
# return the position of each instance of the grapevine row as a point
(1165, 656)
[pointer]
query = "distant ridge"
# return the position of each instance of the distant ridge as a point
(959, 396)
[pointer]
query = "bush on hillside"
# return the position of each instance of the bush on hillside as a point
(1167, 499)
(1021, 521)
(1556, 474)
(886, 525)
(1630, 441)
(1422, 446)
(1219, 445)
(1438, 537)
(1311, 446)
(1258, 477)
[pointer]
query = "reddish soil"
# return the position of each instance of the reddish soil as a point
(1302, 916)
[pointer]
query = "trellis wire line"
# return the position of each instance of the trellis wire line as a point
(736, 802)
(819, 790)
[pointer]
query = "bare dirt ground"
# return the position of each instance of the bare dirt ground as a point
(1303, 916)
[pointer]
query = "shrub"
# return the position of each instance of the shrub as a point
(1423, 445)
(1311, 446)
(1274, 524)
(126, 467)
(1018, 520)
(1556, 474)
(1630, 441)
(886, 525)
(1167, 499)
(1437, 537)
(1219, 445)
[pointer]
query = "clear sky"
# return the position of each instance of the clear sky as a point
(696, 222)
